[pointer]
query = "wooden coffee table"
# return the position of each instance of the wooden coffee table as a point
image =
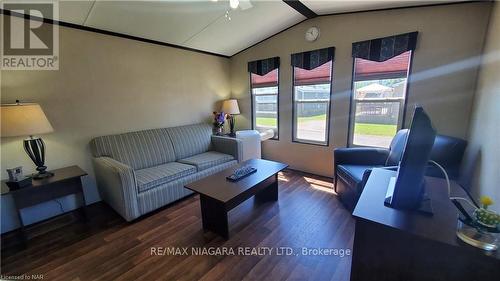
(218, 195)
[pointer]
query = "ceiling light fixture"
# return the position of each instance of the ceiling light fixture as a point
(227, 15)
(234, 4)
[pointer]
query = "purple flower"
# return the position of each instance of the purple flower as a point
(219, 119)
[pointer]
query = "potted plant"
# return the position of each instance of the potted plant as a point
(484, 216)
(482, 230)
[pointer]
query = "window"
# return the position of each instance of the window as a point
(380, 78)
(265, 90)
(311, 100)
(379, 93)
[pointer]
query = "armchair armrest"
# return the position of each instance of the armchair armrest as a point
(360, 156)
(231, 146)
(117, 186)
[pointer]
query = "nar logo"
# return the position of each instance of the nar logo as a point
(30, 44)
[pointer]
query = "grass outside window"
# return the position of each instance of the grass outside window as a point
(359, 128)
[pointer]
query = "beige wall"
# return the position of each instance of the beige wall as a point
(108, 85)
(483, 155)
(449, 36)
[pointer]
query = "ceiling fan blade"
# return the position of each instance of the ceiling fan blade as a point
(245, 4)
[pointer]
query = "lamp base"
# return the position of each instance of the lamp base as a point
(231, 126)
(44, 175)
(35, 148)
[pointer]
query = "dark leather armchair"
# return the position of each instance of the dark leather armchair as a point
(352, 166)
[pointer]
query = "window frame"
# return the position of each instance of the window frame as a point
(352, 106)
(328, 114)
(276, 136)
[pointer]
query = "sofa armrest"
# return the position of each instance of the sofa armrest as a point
(231, 146)
(360, 156)
(117, 186)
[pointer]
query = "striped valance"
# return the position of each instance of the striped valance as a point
(312, 59)
(382, 49)
(264, 66)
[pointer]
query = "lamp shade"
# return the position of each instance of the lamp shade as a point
(230, 107)
(25, 119)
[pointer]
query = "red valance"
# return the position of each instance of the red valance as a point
(319, 75)
(268, 80)
(396, 67)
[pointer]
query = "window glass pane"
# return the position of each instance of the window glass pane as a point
(320, 92)
(379, 92)
(265, 91)
(375, 123)
(311, 121)
(266, 111)
(380, 89)
(265, 101)
(312, 89)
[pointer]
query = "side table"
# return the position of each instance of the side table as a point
(66, 181)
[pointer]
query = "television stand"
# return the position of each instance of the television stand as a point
(392, 244)
(425, 206)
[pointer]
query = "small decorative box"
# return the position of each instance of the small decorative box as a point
(13, 185)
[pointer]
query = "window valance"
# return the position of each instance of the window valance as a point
(264, 66)
(382, 49)
(312, 59)
(319, 75)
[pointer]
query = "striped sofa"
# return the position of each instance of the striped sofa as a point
(139, 172)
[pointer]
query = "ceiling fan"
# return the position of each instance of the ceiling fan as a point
(242, 4)
(235, 4)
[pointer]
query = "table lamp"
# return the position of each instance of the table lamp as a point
(28, 119)
(230, 107)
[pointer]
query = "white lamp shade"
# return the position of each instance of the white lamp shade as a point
(230, 107)
(26, 119)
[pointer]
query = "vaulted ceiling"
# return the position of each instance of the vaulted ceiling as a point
(208, 25)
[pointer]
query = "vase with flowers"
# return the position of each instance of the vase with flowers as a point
(219, 119)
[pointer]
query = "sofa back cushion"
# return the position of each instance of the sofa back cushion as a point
(139, 150)
(191, 139)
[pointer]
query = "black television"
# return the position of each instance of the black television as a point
(406, 190)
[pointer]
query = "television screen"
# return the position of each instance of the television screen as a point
(407, 188)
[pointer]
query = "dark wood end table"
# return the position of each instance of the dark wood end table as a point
(66, 181)
(218, 195)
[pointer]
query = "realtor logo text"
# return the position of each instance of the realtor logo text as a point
(248, 251)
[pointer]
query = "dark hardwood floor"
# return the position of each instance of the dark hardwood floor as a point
(307, 214)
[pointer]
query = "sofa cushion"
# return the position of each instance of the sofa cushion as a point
(190, 140)
(208, 159)
(138, 150)
(354, 172)
(151, 177)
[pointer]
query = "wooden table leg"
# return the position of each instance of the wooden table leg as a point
(214, 216)
(270, 193)
(83, 209)
(22, 229)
